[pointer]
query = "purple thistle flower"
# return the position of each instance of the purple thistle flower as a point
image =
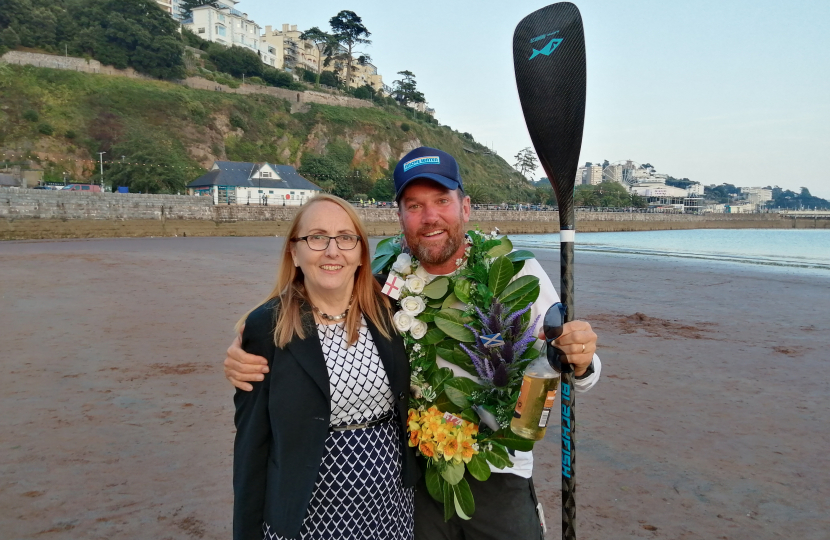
(500, 377)
(482, 365)
(516, 314)
(528, 337)
(483, 318)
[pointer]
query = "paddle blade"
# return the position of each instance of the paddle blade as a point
(549, 60)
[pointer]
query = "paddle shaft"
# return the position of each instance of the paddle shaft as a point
(567, 401)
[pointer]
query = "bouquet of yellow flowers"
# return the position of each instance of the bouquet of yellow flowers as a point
(448, 443)
(438, 435)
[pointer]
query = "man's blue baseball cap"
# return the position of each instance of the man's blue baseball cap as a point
(429, 163)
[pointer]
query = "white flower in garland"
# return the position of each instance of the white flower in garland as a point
(414, 283)
(403, 264)
(413, 305)
(418, 329)
(403, 321)
(423, 274)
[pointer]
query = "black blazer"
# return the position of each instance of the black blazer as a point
(283, 423)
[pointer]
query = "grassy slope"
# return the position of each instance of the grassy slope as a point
(89, 113)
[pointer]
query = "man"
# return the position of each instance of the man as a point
(433, 212)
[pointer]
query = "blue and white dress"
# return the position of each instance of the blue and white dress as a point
(358, 493)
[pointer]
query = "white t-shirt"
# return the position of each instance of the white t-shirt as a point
(523, 461)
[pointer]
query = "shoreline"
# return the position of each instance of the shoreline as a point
(56, 228)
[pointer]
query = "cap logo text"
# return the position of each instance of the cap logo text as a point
(417, 162)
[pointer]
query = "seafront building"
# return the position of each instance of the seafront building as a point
(757, 196)
(238, 182)
(591, 174)
(291, 51)
(228, 26)
(173, 7)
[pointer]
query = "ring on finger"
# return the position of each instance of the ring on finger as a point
(583, 347)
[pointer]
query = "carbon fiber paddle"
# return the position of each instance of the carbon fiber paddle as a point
(549, 59)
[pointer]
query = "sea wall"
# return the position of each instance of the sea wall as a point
(32, 214)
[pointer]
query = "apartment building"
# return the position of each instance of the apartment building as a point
(757, 196)
(173, 7)
(291, 51)
(591, 174)
(230, 27)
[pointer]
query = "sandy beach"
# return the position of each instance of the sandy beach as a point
(710, 420)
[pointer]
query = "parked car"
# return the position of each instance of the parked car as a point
(82, 187)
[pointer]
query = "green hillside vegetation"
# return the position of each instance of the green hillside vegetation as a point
(169, 134)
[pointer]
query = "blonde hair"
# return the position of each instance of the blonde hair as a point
(290, 287)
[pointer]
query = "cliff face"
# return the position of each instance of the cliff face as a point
(60, 120)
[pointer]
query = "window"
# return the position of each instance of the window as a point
(221, 17)
(220, 30)
(272, 50)
(271, 192)
(201, 30)
(292, 193)
(85, 188)
(265, 174)
(260, 191)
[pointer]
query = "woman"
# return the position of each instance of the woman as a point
(320, 450)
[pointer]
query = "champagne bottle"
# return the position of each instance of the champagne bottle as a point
(533, 408)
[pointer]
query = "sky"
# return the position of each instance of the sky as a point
(717, 91)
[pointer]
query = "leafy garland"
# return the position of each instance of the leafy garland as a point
(455, 422)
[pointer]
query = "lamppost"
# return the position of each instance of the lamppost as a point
(101, 161)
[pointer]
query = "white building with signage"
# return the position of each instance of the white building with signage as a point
(238, 182)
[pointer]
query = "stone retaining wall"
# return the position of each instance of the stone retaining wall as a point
(28, 214)
(72, 205)
(299, 99)
(69, 63)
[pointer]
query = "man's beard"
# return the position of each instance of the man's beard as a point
(436, 255)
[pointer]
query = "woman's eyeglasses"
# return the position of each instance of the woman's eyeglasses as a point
(320, 242)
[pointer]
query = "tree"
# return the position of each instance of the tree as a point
(383, 190)
(329, 78)
(151, 167)
(365, 92)
(606, 194)
(321, 40)
(406, 89)
(236, 61)
(189, 5)
(526, 162)
(275, 77)
(124, 33)
(328, 173)
(347, 32)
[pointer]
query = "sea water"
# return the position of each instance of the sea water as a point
(785, 250)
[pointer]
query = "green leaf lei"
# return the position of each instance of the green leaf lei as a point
(445, 316)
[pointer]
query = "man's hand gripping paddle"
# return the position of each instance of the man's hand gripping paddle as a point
(549, 59)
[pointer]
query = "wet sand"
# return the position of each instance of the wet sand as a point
(710, 421)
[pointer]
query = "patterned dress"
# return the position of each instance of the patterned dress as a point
(358, 493)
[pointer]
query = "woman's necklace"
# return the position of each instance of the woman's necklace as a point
(335, 318)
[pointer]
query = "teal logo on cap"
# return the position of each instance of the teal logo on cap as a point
(417, 162)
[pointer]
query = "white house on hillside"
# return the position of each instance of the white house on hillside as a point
(228, 26)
